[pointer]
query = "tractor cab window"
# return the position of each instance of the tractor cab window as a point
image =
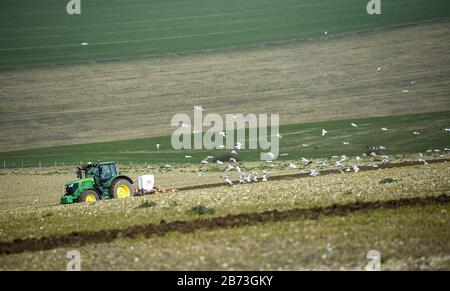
(106, 172)
(91, 172)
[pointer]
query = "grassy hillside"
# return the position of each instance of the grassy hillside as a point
(330, 79)
(399, 138)
(40, 32)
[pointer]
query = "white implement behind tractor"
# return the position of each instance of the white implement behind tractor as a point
(146, 184)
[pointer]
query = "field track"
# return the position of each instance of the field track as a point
(103, 236)
(324, 172)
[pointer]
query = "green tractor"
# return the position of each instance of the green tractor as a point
(95, 182)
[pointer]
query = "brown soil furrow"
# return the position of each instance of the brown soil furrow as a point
(103, 236)
(324, 172)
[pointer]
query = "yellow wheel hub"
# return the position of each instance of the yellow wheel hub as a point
(123, 191)
(90, 198)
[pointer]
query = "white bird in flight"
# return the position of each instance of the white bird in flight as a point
(222, 133)
(305, 160)
(324, 131)
(292, 166)
(354, 124)
(199, 108)
(158, 146)
(84, 43)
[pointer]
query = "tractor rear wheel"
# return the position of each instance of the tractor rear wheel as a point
(122, 189)
(89, 196)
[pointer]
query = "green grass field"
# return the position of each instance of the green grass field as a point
(398, 139)
(41, 33)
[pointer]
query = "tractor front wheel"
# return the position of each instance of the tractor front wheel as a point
(89, 196)
(122, 189)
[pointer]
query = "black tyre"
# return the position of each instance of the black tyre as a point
(122, 189)
(89, 196)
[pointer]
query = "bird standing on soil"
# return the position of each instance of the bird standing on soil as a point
(314, 173)
(265, 176)
(227, 180)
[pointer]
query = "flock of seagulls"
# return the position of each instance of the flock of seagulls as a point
(342, 162)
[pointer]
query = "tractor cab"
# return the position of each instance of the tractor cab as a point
(102, 172)
(97, 181)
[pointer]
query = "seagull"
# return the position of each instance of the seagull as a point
(234, 152)
(292, 166)
(188, 157)
(255, 176)
(241, 177)
(405, 91)
(305, 145)
(205, 161)
(219, 162)
(324, 132)
(271, 155)
(423, 161)
(84, 43)
(158, 146)
(355, 168)
(265, 176)
(284, 155)
(354, 124)
(358, 158)
(326, 32)
(382, 147)
(238, 146)
(339, 164)
(384, 129)
(416, 133)
(314, 173)
(248, 178)
(379, 69)
(279, 136)
(412, 82)
(220, 147)
(447, 129)
(184, 125)
(199, 108)
(195, 132)
(306, 161)
(222, 133)
(238, 169)
(345, 142)
(227, 180)
(232, 160)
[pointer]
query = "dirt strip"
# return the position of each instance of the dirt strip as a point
(324, 172)
(103, 236)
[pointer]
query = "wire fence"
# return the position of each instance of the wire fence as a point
(48, 164)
